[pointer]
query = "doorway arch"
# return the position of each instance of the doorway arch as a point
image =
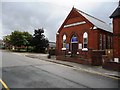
(74, 44)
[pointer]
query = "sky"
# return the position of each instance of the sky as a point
(28, 15)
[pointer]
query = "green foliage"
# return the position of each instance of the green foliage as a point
(7, 40)
(24, 40)
(27, 38)
(39, 41)
(19, 38)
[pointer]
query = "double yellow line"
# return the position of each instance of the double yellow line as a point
(4, 85)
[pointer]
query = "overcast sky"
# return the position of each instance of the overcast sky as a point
(27, 15)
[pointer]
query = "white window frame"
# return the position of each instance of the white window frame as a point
(64, 42)
(85, 36)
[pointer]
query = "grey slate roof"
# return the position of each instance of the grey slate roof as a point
(98, 23)
(116, 13)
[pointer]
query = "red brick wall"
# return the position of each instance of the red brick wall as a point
(116, 37)
(93, 35)
(106, 34)
(116, 25)
(79, 30)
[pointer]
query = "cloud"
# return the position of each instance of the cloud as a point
(29, 16)
(0, 20)
(59, 1)
(47, 14)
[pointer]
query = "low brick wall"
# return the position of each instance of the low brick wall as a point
(109, 64)
(96, 57)
(73, 59)
(91, 57)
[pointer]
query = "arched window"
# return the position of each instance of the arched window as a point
(85, 41)
(104, 41)
(100, 45)
(64, 41)
(108, 42)
(74, 39)
(111, 41)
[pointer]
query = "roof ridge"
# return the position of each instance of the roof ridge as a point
(90, 16)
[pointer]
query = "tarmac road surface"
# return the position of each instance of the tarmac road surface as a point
(23, 72)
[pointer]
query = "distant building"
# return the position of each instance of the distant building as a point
(1, 44)
(52, 48)
(116, 32)
(52, 45)
(114, 61)
(80, 35)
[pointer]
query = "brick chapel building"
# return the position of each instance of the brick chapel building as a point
(82, 36)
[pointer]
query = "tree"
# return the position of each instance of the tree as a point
(18, 39)
(7, 41)
(27, 38)
(39, 41)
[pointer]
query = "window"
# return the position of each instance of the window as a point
(111, 43)
(100, 45)
(108, 42)
(85, 41)
(104, 41)
(64, 41)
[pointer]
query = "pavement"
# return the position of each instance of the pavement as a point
(87, 68)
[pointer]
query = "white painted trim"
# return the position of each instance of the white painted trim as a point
(57, 33)
(69, 52)
(94, 27)
(63, 49)
(74, 24)
(84, 49)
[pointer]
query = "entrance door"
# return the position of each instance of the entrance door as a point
(74, 48)
(74, 44)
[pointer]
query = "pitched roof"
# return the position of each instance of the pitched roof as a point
(116, 13)
(97, 22)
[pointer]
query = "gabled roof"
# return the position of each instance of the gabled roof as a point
(97, 22)
(116, 13)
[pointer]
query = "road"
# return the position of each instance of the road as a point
(23, 72)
